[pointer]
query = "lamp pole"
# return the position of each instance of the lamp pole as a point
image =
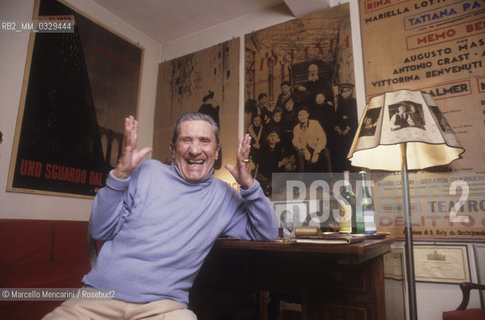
(408, 247)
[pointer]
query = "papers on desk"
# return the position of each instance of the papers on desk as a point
(330, 239)
(316, 236)
(313, 235)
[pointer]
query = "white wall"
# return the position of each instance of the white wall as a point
(13, 53)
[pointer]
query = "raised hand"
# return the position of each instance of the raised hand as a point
(241, 172)
(130, 155)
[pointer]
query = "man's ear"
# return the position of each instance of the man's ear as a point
(218, 149)
(171, 147)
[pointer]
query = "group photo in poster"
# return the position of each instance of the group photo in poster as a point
(78, 88)
(436, 47)
(300, 108)
(205, 81)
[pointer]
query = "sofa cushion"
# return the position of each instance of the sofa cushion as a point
(40, 254)
(70, 240)
(468, 314)
(24, 241)
(57, 274)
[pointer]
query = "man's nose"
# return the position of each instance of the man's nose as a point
(194, 148)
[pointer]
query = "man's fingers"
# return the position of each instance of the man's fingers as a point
(143, 152)
(126, 132)
(134, 132)
(232, 170)
(244, 147)
(130, 156)
(131, 133)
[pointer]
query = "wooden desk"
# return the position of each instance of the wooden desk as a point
(330, 281)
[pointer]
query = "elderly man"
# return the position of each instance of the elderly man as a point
(159, 223)
(308, 90)
(401, 118)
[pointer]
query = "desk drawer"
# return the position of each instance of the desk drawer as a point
(329, 285)
(342, 279)
(341, 312)
(270, 269)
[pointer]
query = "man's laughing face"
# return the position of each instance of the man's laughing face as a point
(195, 150)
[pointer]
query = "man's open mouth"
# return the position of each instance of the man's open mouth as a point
(195, 162)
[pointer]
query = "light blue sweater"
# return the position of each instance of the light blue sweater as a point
(158, 228)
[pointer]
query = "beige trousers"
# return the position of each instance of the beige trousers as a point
(117, 309)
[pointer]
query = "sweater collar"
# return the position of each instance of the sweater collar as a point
(176, 170)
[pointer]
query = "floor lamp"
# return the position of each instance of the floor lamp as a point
(400, 131)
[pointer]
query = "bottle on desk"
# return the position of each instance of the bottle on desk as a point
(365, 212)
(347, 207)
(332, 224)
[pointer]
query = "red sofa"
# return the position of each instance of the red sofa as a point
(40, 254)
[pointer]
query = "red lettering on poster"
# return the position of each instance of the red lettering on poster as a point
(30, 168)
(374, 5)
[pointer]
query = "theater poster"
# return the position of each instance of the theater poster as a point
(78, 88)
(437, 47)
(206, 81)
(300, 107)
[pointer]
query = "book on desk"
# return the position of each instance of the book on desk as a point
(313, 235)
(330, 239)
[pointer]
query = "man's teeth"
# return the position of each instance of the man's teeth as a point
(191, 162)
